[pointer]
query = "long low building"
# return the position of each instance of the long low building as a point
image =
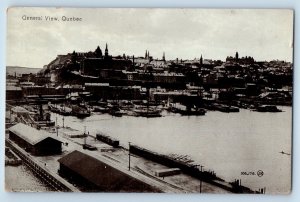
(96, 176)
(35, 141)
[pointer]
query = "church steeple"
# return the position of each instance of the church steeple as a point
(236, 56)
(201, 60)
(106, 51)
(163, 57)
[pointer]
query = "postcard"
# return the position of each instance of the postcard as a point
(149, 100)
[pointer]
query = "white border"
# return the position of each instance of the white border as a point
(50, 197)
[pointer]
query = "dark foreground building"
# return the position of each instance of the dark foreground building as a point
(93, 175)
(37, 142)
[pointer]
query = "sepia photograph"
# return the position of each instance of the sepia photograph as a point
(149, 100)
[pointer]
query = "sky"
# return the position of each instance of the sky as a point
(180, 33)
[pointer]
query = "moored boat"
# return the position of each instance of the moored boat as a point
(149, 112)
(267, 108)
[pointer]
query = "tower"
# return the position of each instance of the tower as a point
(74, 57)
(133, 60)
(236, 56)
(201, 60)
(106, 51)
(98, 52)
(163, 57)
(146, 54)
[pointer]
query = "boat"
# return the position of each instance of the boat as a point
(187, 111)
(267, 108)
(193, 111)
(60, 109)
(225, 108)
(101, 109)
(126, 105)
(80, 112)
(115, 111)
(145, 111)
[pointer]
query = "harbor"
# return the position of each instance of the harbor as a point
(231, 139)
(115, 143)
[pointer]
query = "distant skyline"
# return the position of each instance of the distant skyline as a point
(34, 41)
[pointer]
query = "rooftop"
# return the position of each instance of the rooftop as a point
(29, 134)
(101, 174)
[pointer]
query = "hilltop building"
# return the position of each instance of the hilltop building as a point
(243, 60)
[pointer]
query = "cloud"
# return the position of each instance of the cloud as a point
(182, 33)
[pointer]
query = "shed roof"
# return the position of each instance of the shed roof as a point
(30, 134)
(88, 167)
(101, 174)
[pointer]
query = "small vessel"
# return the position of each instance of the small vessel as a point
(101, 109)
(60, 109)
(267, 108)
(225, 108)
(187, 111)
(145, 111)
(80, 112)
(115, 111)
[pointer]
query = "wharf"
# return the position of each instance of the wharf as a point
(181, 183)
(141, 168)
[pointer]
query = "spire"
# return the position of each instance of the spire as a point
(146, 54)
(236, 56)
(163, 57)
(106, 50)
(201, 60)
(133, 60)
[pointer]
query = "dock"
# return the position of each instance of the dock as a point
(171, 176)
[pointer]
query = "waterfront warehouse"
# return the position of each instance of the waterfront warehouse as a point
(95, 175)
(37, 142)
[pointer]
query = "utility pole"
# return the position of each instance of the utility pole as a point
(201, 178)
(84, 135)
(129, 155)
(56, 126)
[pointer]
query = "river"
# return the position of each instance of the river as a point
(228, 143)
